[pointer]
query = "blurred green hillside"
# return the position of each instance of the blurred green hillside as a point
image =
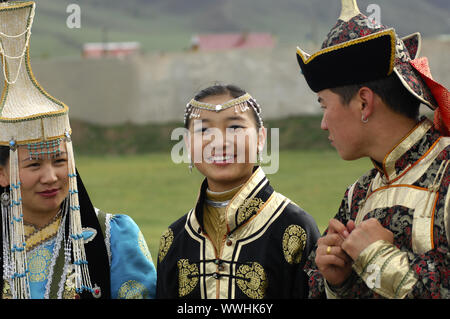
(168, 25)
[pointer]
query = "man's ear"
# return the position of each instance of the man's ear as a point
(367, 99)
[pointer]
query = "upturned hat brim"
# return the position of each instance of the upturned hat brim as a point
(413, 44)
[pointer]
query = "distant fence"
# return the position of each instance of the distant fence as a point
(155, 88)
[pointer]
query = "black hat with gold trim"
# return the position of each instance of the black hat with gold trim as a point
(359, 50)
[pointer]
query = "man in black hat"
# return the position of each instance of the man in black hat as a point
(390, 236)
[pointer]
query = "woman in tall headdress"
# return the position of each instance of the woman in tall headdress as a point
(55, 244)
(242, 239)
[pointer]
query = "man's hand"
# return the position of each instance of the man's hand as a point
(332, 261)
(361, 236)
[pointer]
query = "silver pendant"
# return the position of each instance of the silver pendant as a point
(5, 199)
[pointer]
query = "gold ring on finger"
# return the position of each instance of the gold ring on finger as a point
(328, 250)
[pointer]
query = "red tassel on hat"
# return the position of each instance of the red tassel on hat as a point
(440, 94)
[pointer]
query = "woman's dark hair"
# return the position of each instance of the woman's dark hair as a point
(4, 155)
(390, 90)
(220, 89)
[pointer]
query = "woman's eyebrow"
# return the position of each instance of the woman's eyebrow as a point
(204, 120)
(236, 118)
(61, 154)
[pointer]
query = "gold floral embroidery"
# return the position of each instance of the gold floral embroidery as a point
(132, 290)
(143, 246)
(248, 208)
(187, 277)
(294, 241)
(69, 287)
(253, 282)
(165, 243)
(6, 290)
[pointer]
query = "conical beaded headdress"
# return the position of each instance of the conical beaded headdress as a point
(30, 117)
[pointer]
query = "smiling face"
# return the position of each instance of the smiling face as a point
(44, 184)
(223, 145)
(343, 123)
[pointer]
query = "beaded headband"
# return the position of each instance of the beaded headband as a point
(47, 149)
(241, 103)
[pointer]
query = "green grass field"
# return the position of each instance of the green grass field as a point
(155, 192)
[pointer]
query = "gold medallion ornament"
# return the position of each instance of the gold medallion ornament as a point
(132, 289)
(38, 264)
(294, 241)
(165, 243)
(188, 275)
(250, 207)
(254, 280)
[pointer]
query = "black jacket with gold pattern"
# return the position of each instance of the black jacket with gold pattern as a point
(262, 256)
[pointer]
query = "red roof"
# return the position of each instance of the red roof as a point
(224, 41)
(117, 49)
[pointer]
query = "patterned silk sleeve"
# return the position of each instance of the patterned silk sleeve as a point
(133, 275)
(399, 273)
(395, 271)
(384, 270)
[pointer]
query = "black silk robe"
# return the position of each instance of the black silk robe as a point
(268, 240)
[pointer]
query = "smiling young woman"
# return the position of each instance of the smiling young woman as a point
(225, 155)
(242, 239)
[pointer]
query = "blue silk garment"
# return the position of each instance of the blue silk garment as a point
(133, 274)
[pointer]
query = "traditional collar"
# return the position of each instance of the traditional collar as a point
(35, 236)
(220, 199)
(244, 205)
(408, 151)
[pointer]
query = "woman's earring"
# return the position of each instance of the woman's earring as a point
(364, 120)
(260, 158)
(191, 165)
(5, 199)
